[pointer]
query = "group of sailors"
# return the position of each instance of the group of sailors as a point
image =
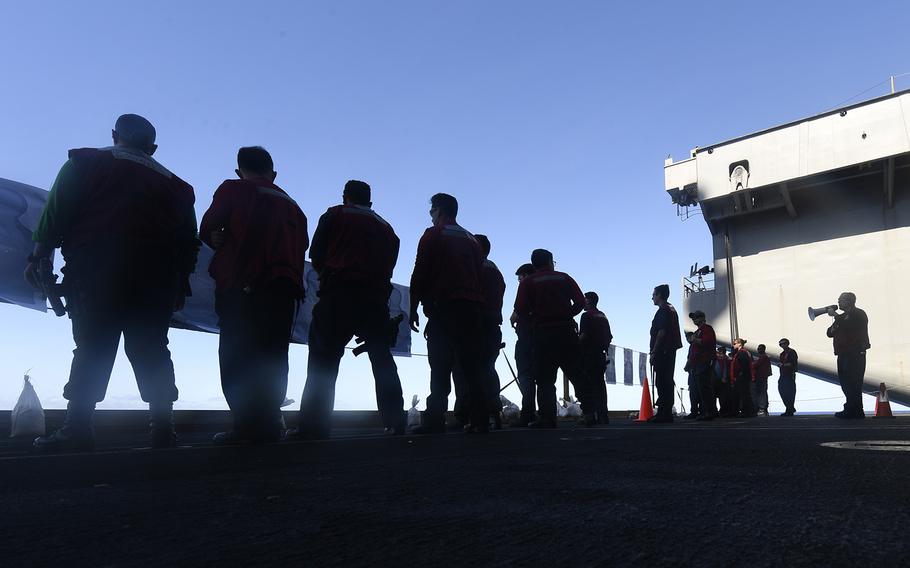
(739, 381)
(127, 230)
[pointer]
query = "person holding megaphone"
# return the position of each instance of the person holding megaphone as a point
(850, 335)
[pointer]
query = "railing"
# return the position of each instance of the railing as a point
(698, 283)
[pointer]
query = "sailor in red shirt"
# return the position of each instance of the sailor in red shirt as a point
(722, 387)
(786, 382)
(354, 252)
(665, 342)
(552, 300)
(524, 363)
(741, 377)
(447, 281)
(701, 362)
(260, 238)
(760, 373)
(494, 289)
(127, 230)
(595, 337)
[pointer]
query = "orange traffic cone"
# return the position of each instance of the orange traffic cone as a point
(646, 411)
(882, 406)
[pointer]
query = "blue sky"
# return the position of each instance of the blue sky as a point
(549, 121)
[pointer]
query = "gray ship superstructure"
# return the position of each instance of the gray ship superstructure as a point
(798, 214)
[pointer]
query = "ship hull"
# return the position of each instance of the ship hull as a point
(771, 265)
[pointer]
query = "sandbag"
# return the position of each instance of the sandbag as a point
(413, 413)
(510, 410)
(27, 418)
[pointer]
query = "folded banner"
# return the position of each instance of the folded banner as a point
(627, 378)
(611, 365)
(20, 208)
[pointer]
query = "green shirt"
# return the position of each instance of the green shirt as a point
(61, 203)
(62, 207)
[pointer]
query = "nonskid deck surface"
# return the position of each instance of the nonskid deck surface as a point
(761, 492)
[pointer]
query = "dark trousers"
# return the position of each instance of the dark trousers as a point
(524, 367)
(760, 394)
(454, 338)
(142, 316)
(851, 368)
(558, 348)
(594, 367)
(664, 366)
(253, 355)
(742, 397)
(445, 372)
(339, 315)
(786, 386)
(704, 383)
(492, 339)
(440, 352)
(694, 394)
(727, 397)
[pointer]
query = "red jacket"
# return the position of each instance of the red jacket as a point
(594, 331)
(703, 351)
(130, 202)
(850, 332)
(266, 235)
(549, 298)
(494, 289)
(761, 367)
(352, 244)
(741, 365)
(448, 267)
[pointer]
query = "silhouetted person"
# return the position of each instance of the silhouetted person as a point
(665, 341)
(354, 251)
(722, 387)
(260, 238)
(524, 363)
(741, 375)
(494, 289)
(850, 335)
(701, 361)
(692, 382)
(760, 375)
(447, 281)
(551, 300)
(786, 383)
(127, 230)
(595, 337)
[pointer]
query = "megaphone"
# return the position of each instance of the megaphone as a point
(815, 312)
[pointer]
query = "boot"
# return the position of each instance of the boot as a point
(586, 421)
(543, 424)
(76, 434)
(161, 426)
(523, 420)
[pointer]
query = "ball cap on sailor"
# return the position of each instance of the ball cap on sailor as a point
(135, 131)
(697, 314)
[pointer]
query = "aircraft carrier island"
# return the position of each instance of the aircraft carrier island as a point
(799, 213)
